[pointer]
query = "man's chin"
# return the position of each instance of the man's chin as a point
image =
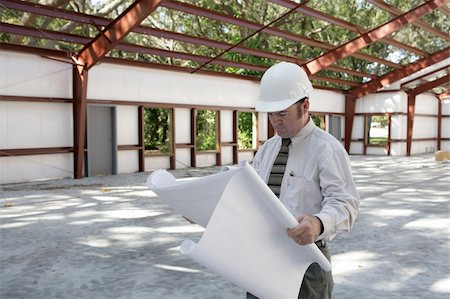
(282, 134)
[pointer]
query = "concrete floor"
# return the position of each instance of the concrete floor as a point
(109, 237)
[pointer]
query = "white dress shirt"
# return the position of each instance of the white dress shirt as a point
(318, 179)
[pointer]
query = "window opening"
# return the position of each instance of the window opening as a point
(206, 121)
(377, 128)
(157, 130)
(246, 126)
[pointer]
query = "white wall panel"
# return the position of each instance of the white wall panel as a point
(28, 125)
(127, 161)
(446, 107)
(358, 127)
(33, 76)
(420, 147)
(376, 151)
(382, 102)
(356, 148)
(182, 125)
(35, 167)
(398, 148)
(183, 158)
(154, 163)
(426, 104)
(398, 126)
(445, 126)
(117, 82)
(204, 160)
(326, 101)
(227, 155)
(445, 145)
(424, 127)
(226, 125)
(127, 125)
(263, 124)
(245, 156)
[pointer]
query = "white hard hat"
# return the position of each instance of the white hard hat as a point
(282, 85)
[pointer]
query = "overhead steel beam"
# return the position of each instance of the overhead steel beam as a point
(429, 85)
(28, 31)
(373, 35)
(42, 33)
(420, 78)
(100, 21)
(394, 76)
(195, 10)
(115, 32)
(444, 95)
(307, 11)
(419, 23)
(252, 34)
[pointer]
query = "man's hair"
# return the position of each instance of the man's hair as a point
(299, 107)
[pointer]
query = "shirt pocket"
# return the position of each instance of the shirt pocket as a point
(295, 195)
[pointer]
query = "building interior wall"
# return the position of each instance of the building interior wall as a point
(29, 124)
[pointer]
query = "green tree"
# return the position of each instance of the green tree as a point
(245, 129)
(156, 130)
(206, 130)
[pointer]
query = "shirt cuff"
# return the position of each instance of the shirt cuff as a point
(328, 228)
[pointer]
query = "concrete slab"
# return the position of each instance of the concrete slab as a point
(109, 237)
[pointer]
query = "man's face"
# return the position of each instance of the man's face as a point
(289, 122)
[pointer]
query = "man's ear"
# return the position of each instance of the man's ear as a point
(305, 105)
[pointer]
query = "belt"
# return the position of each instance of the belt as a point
(321, 243)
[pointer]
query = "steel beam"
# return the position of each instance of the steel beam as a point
(429, 85)
(419, 23)
(410, 122)
(307, 11)
(394, 76)
(421, 78)
(192, 9)
(115, 32)
(79, 86)
(350, 106)
(371, 36)
(100, 21)
(439, 125)
(444, 95)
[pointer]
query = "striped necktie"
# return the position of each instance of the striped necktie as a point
(279, 166)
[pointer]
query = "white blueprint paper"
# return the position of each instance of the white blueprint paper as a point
(245, 240)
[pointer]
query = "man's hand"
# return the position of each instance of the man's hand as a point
(307, 231)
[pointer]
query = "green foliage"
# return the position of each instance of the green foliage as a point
(363, 14)
(245, 129)
(378, 140)
(156, 130)
(206, 130)
(377, 122)
(382, 120)
(319, 121)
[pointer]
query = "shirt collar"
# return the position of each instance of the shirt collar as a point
(304, 132)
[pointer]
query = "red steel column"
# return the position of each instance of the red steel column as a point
(80, 77)
(410, 122)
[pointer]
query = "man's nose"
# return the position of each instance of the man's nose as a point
(275, 119)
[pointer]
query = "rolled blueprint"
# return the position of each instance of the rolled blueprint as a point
(245, 240)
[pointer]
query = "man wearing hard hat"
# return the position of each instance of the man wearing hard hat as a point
(307, 168)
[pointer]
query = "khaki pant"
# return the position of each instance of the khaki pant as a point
(317, 283)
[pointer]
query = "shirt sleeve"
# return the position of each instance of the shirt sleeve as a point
(340, 197)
